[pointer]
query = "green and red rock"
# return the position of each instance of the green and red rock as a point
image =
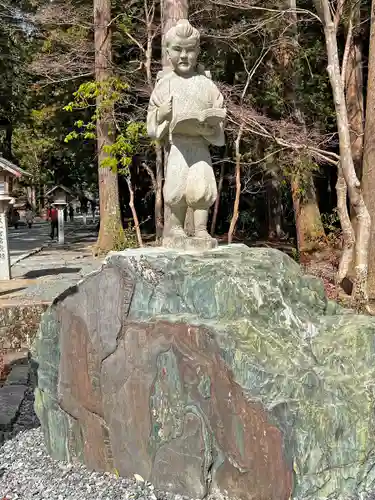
(224, 371)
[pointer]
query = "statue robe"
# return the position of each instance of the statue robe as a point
(189, 179)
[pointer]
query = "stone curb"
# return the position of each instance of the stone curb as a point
(12, 394)
(27, 255)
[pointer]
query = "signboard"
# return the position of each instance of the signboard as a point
(4, 250)
(3, 234)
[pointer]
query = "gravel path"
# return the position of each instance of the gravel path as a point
(28, 473)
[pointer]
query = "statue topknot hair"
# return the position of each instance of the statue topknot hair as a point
(183, 29)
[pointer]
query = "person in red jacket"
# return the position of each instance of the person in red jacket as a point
(53, 217)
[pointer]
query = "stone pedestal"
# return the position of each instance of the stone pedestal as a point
(189, 243)
(5, 270)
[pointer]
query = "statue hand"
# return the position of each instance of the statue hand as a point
(165, 111)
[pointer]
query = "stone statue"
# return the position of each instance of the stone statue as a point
(186, 110)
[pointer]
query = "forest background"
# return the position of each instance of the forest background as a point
(298, 80)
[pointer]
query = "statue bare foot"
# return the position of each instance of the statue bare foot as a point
(177, 232)
(203, 234)
(200, 223)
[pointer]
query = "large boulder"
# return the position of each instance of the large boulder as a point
(223, 371)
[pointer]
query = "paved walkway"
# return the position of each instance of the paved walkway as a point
(23, 241)
(47, 273)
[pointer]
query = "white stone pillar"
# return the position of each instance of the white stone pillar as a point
(60, 205)
(60, 225)
(5, 273)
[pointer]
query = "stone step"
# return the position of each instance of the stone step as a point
(11, 397)
(11, 356)
(19, 375)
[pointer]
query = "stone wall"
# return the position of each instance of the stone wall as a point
(19, 323)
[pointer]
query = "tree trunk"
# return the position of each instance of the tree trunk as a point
(353, 77)
(171, 12)
(159, 194)
(217, 201)
(274, 206)
(309, 226)
(110, 216)
(359, 295)
(134, 212)
(8, 141)
(236, 204)
(368, 177)
(346, 226)
(158, 187)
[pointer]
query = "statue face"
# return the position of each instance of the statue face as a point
(183, 55)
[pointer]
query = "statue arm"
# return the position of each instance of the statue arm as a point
(155, 129)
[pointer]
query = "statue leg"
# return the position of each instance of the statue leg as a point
(174, 191)
(201, 193)
(200, 223)
(177, 219)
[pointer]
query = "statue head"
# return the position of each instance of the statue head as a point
(182, 46)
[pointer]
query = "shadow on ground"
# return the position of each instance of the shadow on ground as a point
(12, 290)
(76, 246)
(38, 273)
